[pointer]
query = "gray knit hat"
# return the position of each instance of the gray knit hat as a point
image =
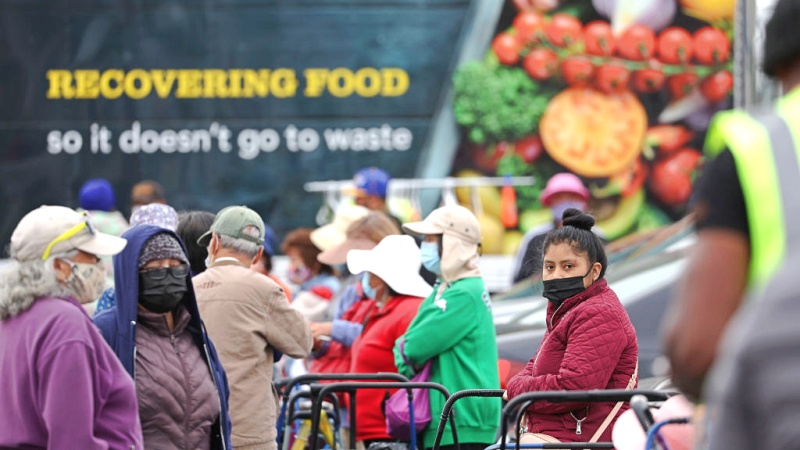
(161, 246)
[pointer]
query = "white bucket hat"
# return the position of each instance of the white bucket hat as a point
(396, 260)
(53, 230)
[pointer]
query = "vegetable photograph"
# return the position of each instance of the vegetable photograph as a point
(619, 93)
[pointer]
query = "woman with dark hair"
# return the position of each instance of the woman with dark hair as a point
(590, 342)
(191, 226)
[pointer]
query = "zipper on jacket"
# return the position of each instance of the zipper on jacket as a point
(554, 315)
(214, 379)
(133, 334)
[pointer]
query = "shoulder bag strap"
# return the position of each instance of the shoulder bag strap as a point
(616, 408)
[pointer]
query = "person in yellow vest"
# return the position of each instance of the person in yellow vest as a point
(747, 197)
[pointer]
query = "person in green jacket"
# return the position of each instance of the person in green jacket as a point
(454, 328)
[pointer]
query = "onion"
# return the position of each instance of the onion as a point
(656, 14)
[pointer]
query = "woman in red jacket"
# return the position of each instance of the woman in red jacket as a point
(392, 279)
(590, 342)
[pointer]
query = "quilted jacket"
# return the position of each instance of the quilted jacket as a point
(590, 343)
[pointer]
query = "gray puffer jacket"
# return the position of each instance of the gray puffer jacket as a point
(178, 402)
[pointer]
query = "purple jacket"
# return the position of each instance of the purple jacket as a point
(62, 386)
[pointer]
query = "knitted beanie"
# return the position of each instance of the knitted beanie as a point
(161, 246)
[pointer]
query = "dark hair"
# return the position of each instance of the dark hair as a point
(156, 191)
(191, 226)
(781, 40)
(300, 239)
(577, 232)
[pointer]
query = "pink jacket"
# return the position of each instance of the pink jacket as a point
(590, 343)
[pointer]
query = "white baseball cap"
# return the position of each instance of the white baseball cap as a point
(52, 230)
(396, 260)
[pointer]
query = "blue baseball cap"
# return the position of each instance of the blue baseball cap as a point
(270, 241)
(97, 195)
(372, 181)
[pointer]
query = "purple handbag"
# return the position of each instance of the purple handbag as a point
(398, 423)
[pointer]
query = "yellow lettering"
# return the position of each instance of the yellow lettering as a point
(60, 84)
(235, 83)
(144, 86)
(163, 80)
(256, 83)
(315, 82)
(368, 82)
(283, 83)
(395, 82)
(87, 83)
(340, 83)
(189, 83)
(215, 83)
(108, 91)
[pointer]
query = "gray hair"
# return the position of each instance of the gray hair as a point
(239, 245)
(23, 282)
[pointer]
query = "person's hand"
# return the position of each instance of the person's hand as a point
(505, 395)
(321, 329)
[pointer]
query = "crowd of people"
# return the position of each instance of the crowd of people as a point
(167, 330)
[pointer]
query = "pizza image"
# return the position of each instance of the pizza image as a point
(592, 133)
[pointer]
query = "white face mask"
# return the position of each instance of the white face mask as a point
(87, 281)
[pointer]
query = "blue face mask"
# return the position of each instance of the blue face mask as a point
(559, 208)
(429, 252)
(368, 290)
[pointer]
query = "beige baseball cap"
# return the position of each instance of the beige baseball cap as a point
(452, 220)
(53, 230)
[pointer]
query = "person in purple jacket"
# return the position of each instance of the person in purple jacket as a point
(62, 387)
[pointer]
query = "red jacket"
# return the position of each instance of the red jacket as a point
(336, 358)
(590, 343)
(373, 352)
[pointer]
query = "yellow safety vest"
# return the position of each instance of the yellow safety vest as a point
(765, 151)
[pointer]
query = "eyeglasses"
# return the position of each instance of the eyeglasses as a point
(159, 273)
(85, 224)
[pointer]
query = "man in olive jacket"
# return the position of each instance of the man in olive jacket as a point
(249, 319)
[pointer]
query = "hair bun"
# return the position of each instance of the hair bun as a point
(578, 219)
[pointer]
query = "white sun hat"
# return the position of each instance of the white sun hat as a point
(396, 260)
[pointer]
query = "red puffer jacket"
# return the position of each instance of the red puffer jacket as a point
(590, 343)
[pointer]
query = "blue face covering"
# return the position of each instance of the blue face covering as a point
(559, 208)
(368, 290)
(429, 252)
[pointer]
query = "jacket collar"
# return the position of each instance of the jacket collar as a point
(555, 313)
(158, 322)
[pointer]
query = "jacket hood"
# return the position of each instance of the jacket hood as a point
(459, 258)
(126, 277)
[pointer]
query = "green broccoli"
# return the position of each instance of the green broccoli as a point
(497, 103)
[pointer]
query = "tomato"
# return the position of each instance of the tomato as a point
(507, 48)
(648, 80)
(671, 181)
(529, 148)
(711, 46)
(540, 63)
(637, 43)
(529, 25)
(668, 138)
(682, 85)
(612, 78)
(485, 158)
(577, 70)
(599, 39)
(717, 86)
(675, 46)
(563, 30)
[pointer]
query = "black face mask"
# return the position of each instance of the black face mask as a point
(561, 289)
(161, 290)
